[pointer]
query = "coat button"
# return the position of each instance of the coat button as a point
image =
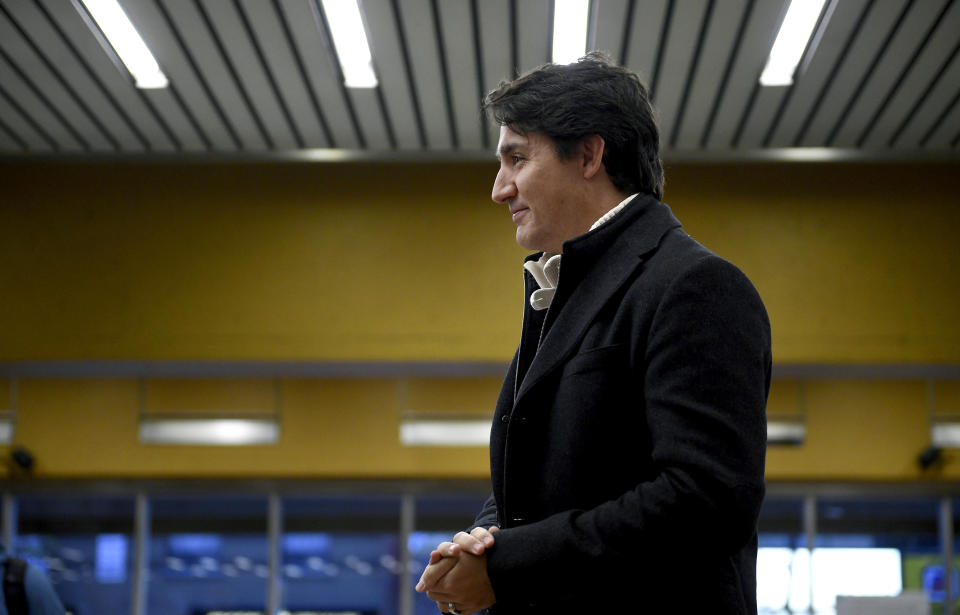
(505, 418)
(518, 520)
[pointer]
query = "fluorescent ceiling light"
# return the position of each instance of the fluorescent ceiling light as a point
(785, 431)
(441, 431)
(125, 40)
(350, 39)
(208, 431)
(795, 32)
(569, 30)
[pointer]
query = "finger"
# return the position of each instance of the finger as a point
(440, 597)
(484, 536)
(470, 543)
(435, 556)
(434, 573)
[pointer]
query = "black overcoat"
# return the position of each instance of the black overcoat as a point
(627, 449)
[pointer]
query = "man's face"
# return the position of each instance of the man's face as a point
(542, 190)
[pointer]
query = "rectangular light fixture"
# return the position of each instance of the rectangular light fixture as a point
(945, 433)
(795, 32)
(6, 428)
(570, 19)
(350, 40)
(786, 430)
(445, 430)
(209, 431)
(126, 41)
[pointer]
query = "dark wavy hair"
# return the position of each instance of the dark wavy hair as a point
(567, 102)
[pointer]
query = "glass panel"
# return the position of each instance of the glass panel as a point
(872, 547)
(438, 518)
(85, 545)
(341, 555)
(207, 554)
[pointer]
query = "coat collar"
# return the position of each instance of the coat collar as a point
(593, 267)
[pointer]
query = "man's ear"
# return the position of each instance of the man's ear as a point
(591, 150)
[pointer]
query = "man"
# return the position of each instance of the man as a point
(627, 447)
(26, 589)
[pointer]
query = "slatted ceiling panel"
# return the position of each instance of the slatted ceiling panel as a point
(608, 26)
(47, 85)
(281, 69)
(457, 31)
(893, 64)
(388, 51)
(8, 142)
(939, 49)
(534, 29)
(417, 18)
(945, 133)
(681, 41)
(370, 115)
(879, 22)
(494, 25)
(174, 56)
(928, 120)
(258, 91)
(313, 46)
(765, 18)
(201, 45)
(705, 86)
(34, 109)
(815, 72)
(644, 37)
(20, 126)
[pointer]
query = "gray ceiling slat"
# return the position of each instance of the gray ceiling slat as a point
(881, 83)
(10, 142)
(54, 88)
(757, 39)
(201, 46)
(417, 17)
(710, 70)
(609, 27)
(841, 95)
(444, 73)
(494, 29)
(533, 29)
(314, 47)
(388, 56)
(367, 107)
(809, 83)
(249, 72)
(194, 95)
(43, 114)
(648, 16)
(761, 114)
(456, 26)
(934, 104)
(935, 135)
(292, 93)
(678, 54)
(21, 128)
(941, 44)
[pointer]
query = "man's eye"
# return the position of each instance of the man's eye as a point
(517, 159)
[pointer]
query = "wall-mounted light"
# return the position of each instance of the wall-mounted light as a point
(445, 430)
(570, 19)
(350, 40)
(795, 32)
(126, 42)
(219, 430)
(786, 430)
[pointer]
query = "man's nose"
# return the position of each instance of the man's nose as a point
(503, 189)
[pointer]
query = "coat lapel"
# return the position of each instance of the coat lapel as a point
(593, 268)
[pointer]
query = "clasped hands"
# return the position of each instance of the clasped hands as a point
(457, 572)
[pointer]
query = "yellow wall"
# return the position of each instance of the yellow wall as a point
(856, 263)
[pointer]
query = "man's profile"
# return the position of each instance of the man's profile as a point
(628, 443)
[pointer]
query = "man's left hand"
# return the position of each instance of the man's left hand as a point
(466, 585)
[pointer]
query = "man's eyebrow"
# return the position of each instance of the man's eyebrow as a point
(506, 148)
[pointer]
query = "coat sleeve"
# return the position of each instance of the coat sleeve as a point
(487, 517)
(41, 597)
(703, 374)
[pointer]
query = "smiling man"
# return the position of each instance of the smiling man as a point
(627, 448)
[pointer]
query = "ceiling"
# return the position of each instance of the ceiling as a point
(880, 79)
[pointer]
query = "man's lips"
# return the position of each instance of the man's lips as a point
(518, 213)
